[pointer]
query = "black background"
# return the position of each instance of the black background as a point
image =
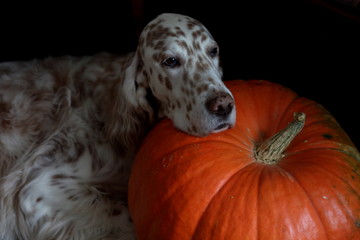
(303, 45)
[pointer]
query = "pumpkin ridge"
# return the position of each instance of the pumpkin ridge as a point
(347, 164)
(311, 207)
(248, 148)
(169, 154)
(352, 151)
(258, 201)
(348, 211)
(304, 150)
(277, 88)
(321, 165)
(340, 199)
(320, 122)
(237, 172)
(204, 140)
(245, 145)
(220, 187)
(318, 215)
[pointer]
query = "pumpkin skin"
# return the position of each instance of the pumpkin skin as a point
(183, 187)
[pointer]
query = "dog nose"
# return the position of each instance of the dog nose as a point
(221, 104)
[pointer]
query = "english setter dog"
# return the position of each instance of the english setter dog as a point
(70, 127)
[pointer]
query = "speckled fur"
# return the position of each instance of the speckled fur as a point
(70, 127)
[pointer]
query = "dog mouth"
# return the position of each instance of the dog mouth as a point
(222, 127)
(225, 125)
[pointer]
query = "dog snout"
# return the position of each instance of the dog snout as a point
(221, 104)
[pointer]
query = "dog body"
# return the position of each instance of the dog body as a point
(70, 127)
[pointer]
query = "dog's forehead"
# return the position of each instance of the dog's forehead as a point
(171, 29)
(173, 20)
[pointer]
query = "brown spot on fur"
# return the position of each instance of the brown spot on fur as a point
(179, 32)
(196, 45)
(159, 45)
(185, 77)
(157, 57)
(196, 76)
(202, 67)
(142, 85)
(151, 26)
(58, 176)
(184, 45)
(161, 78)
(193, 128)
(146, 76)
(202, 88)
(79, 148)
(156, 34)
(203, 37)
(4, 110)
(196, 34)
(185, 91)
(211, 80)
(168, 83)
(190, 63)
(189, 107)
(73, 198)
(190, 25)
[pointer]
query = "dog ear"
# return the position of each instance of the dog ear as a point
(136, 82)
(131, 113)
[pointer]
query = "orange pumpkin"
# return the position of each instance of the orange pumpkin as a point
(238, 185)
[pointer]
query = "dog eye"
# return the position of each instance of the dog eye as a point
(171, 62)
(214, 52)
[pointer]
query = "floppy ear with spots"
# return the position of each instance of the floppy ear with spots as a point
(136, 83)
(131, 110)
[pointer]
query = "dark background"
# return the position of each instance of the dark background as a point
(312, 47)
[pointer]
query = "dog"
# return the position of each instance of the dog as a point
(70, 127)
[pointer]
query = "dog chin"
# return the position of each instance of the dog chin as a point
(219, 128)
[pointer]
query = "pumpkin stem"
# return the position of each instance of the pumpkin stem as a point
(271, 151)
